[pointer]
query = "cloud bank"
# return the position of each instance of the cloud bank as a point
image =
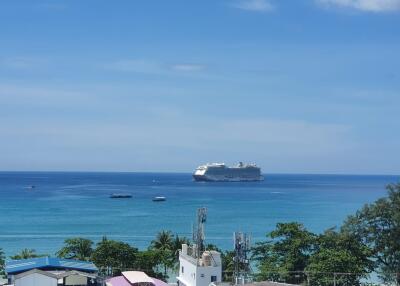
(364, 5)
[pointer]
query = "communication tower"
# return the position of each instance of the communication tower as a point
(241, 261)
(198, 232)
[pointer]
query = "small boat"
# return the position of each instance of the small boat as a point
(120, 196)
(159, 199)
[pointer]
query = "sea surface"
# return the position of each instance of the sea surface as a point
(66, 205)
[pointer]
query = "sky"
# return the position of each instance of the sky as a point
(296, 86)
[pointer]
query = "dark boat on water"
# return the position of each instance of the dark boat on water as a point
(120, 196)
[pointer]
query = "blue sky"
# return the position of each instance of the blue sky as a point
(297, 86)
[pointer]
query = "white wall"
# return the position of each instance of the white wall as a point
(36, 279)
(203, 275)
(189, 272)
(198, 275)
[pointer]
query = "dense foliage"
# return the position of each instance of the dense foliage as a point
(285, 255)
(294, 255)
(163, 245)
(368, 241)
(342, 254)
(113, 257)
(76, 248)
(27, 253)
(2, 261)
(167, 246)
(377, 225)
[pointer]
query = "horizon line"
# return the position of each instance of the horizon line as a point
(189, 173)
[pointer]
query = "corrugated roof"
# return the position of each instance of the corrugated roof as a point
(137, 277)
(17, 266)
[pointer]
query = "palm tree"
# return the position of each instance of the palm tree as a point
(177, 245)
(164, 245)
(27, 253)
(76, 248)
(163, 241)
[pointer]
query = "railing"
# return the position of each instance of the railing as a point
(315, 278)
(291, 277)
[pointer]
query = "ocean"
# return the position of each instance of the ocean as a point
(68, 204)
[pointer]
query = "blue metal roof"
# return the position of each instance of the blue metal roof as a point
(22, 265)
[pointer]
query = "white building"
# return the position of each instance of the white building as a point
(36, 277)
(201, 271)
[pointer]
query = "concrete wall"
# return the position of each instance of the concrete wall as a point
(35, 279)
(203, 275)
(75, 280)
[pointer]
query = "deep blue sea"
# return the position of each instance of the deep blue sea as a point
(65, 205)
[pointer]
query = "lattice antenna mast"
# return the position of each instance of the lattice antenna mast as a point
(198, 232)
(242, 246)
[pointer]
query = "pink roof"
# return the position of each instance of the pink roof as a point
(122, 281)
(158, 282)
(118, 281)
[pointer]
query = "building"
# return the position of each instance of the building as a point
(46, 271)
(134, 278)
(199, 271)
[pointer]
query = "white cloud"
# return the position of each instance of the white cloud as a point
(364, 5)
(254, 5)
(152, 67)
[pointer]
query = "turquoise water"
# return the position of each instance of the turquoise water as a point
(77, 204)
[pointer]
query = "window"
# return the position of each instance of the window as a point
(213, 278)
(202, 275)
(182, 269)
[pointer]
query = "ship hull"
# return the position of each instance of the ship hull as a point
(205, 178)
(218, 172)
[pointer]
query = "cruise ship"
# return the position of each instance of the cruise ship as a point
(219, 172)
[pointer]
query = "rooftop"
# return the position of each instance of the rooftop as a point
(22, 265)
(130, 278)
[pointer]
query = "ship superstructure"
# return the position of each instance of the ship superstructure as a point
(219, 172)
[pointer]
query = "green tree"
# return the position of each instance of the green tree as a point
(228, 266)
(147, 261)
(285, 255)
(337, 254)
(2, 262)
(164, 245)
(177, 246)
(378, 226)
(76, 248)
(27, 253)
(113, 257)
